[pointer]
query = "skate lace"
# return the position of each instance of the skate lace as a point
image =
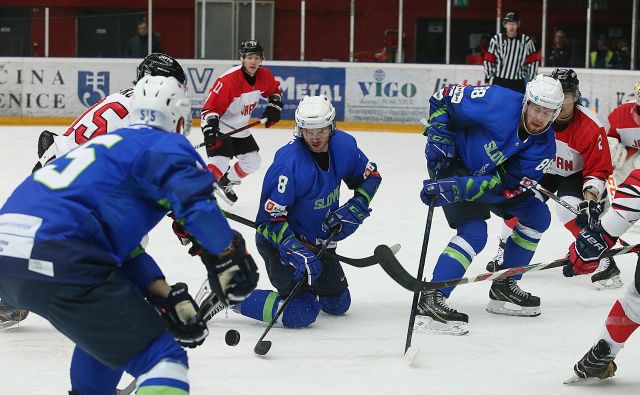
(500, 253)
(513, 286)
(439, 301)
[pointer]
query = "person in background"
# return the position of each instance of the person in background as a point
(602, 57)
(138, 46)
(560, 55)
(511, 60)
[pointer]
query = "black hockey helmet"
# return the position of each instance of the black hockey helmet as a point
(163, 65)
(251, 46)
(569, 80)
(510, 17)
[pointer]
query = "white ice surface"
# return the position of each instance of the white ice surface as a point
(361, 352)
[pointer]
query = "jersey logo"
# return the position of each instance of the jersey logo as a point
(247, 109)
(275, 209)
(491, 148)
(92, 86)
(326, 202)
(458, 93)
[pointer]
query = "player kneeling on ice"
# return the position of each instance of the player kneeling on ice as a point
(591, 243)
(482, 143)
(70, 236)
(299, 208)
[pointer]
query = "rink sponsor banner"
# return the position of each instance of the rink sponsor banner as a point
(297, 82)
(398, 94)
(361, 92)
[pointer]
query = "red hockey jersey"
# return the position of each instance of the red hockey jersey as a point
(233, 99)
(583, 146)
(624, 124)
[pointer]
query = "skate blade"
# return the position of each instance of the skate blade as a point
(8, 324)
(454, 328)
(610, 283)
(223, 196)
(508, 308)
(575, 380)
(411, 354)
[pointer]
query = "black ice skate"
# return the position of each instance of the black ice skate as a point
(434, 315)
(224, 189)
(10, 316)
(495, 264)
(508, 299)
(597, 364)
(607, 275)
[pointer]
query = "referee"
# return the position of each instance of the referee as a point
(512, 59)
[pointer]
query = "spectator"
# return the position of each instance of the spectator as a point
(478, 55)
(602, 57)
(622, 56)
(138, 46)
(512, 59)
(561, 52)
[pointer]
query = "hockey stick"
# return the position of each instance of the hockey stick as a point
(231, 133)
(394, 269)
(356, 262)
(263, 346)
(410, 355)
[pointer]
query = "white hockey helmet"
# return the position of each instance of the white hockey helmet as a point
(161, 102)
(315, 112)
(636, 92)
(546, 92)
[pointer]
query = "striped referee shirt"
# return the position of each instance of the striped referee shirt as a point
(511, 58)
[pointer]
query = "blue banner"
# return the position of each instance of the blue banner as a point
(298, 82)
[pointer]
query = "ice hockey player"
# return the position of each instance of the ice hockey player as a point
(106, 116)
(483, 144)
(579, 172)
(70, 231)
(299, 207)
(593, 241)
(624, 135)
(229, 105)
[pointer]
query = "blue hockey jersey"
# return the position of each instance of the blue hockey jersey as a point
(483, 122)
(297, 195)
(85, 213)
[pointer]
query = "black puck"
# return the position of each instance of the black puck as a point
(232, 337)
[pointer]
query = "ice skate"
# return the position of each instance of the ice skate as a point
(224, 189)
(607, 275)
(434, 315)
(10, 316)
(596, 365)
(208, 301)
(495, 264)
(508, 299)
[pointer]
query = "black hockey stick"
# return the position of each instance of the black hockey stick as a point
(263, 346)
(245, 127)
(394, 269)
(423, 258)
(356, 262)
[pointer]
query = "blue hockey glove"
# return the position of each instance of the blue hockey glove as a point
(439, 151)
(294, 253)
(445, 191)
(589, 216)
(348, 216)
(585, 253)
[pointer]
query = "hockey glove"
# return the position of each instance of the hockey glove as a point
(232, 274)
(212, 136)
(445, 191)
(272, 111)
(348, 217)
(46, 149)
(294, 253)
(181, 315)
(439, 151)
(185, 237)
(618, 152)
(585, 253)
(589, 216)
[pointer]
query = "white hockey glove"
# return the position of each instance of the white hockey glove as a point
(618, 152)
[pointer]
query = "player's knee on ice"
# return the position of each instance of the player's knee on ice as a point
(336, 304)
(302, 311)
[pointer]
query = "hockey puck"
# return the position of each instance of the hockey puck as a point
(232, 337)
